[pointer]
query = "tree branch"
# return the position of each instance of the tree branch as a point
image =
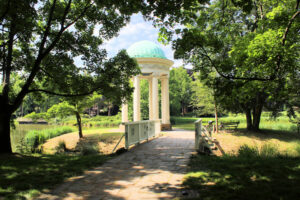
(63, 95)
(48, 27)
(7, 67)
(234, 77)
(63, 28)
(43, 54)
(289, 25)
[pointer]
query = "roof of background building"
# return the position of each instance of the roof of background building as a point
(145, 49)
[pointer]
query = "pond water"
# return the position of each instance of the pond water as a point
(21, 130)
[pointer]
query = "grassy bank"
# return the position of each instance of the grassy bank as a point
(19, 132)
(25, 176)
(281, 123)
(35, 138)
(104, 139)
(257, 165)
(252, 173)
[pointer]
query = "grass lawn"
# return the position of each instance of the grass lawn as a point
(25, 176)
(244, 176)
(263, 165)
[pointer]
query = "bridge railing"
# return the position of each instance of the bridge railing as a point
(136, 132)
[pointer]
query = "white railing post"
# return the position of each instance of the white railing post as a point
(139, 133)
(148, 130)
(198, 128)
(126, 135)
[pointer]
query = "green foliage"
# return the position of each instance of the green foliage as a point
(245, 50)
(180, 90)
(97, 121)
(144, 85)
(35, 138)
(89, 149)
(61, 147)
(40, 41)
(37, 116)
(202, 98)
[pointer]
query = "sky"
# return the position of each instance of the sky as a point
(138, 29)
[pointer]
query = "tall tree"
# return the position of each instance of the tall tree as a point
(73, 106)
(40, 40)
(252, 45)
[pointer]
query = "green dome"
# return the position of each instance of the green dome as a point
(145, 49)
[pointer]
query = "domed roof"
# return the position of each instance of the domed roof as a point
(145, 49)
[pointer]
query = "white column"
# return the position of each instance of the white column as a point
(136, 99)
(155, 98)
(124, 112)
(150, 99)
(165, 104)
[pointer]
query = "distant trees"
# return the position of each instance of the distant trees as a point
(202, 98)
(180, 91)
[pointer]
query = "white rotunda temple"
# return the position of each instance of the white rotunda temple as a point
(154, 67)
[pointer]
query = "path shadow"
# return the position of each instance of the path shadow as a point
(154, 169)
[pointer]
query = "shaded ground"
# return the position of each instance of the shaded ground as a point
(152, 170)
(23, 176)
(231, 140)
(251, 174)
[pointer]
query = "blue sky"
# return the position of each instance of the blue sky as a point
(138, 29)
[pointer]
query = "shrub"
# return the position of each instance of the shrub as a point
(266, 150)
(61, 147)
(246, 151)
(89, 149)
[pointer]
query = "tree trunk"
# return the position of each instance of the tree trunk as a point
(182, 109)
(79, 124)
(256, 116)
(5, 142)
(249, 119)
(216, 117)
(109, 111)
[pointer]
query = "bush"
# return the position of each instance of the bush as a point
(89, 149)
(246, 151)
(37, 137)
(61, 147)
(266, 150)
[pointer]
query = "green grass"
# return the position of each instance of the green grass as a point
(18, 134)
(35, 138)
(26, 176)
(281, 123)
(253, 173)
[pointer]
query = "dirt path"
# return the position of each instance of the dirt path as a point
(152, 170)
